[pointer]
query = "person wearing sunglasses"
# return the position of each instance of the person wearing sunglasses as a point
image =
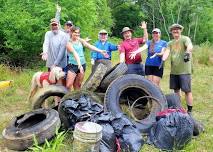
(103, 44)
(54, 46)
(153, 64)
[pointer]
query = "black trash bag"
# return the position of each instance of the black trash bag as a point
(108, 141)
(128, 135)
(78, 110)
(172, 132)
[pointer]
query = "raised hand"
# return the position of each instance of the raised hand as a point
(58, 8)
(143, 25)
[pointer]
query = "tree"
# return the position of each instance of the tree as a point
(126, 14)
(24, 23)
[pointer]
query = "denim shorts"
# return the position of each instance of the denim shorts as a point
(135, 69)
(74, 68)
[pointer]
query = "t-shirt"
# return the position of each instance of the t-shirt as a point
(131, 45)
(55, 46)
(109, 47)
(177, 51)
(158, 46)
(80, 51)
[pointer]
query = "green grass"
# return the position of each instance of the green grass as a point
(14, 100)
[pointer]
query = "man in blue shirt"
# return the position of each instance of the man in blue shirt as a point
(102, 44)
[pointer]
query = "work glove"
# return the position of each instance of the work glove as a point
(186, 57)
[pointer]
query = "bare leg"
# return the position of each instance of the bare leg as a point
(70, 79)
(78, 81)
(149, 77)
(189, 98)
(156, 80)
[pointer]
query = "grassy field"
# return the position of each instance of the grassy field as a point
(14, 100)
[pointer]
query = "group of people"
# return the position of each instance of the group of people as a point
(64, 48)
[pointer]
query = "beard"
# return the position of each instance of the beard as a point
(55, 32)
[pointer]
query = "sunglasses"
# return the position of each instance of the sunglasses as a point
(76, 32)
(155, 33)
(54, 24)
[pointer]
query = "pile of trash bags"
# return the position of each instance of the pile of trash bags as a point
(118, 131)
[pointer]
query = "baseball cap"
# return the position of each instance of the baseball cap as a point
(102, 31)
(69, 23)
(53, 21)
(156, 30)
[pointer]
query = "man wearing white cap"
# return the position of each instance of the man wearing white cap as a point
(129, 45)
(102, 44)
(156, 47)
(180, 49)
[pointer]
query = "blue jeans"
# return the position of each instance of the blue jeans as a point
(135, 69)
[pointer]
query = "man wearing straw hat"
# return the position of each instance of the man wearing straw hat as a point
(129, 45)
(180, 49)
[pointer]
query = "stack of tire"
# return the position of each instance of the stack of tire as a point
(111, 85)
(115, 87)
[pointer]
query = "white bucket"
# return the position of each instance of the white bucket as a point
(87, 137)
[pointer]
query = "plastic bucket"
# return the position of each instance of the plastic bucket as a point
(87, 137)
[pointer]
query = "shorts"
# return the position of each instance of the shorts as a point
(135, 69)
(154, 70)
(182, 82)
(64, 69)
(74, 68)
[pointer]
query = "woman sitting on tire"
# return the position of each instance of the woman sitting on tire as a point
(75, 74)
(154, 64)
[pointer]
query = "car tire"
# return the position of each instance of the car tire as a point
(135, 86)
(42, 94)
(118, 70)
(41, 124)
(95, 78)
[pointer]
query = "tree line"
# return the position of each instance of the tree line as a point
(24, 23)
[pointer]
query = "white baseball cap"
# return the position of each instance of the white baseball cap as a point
(156, 30)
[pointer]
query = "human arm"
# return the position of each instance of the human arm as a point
(92, 47)
(113, 47)
(122, 57)
(58, 14)
(144, 27)
(188, 52)
(75, 54)
(139, 50)
(166, 54)
(44, 54)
